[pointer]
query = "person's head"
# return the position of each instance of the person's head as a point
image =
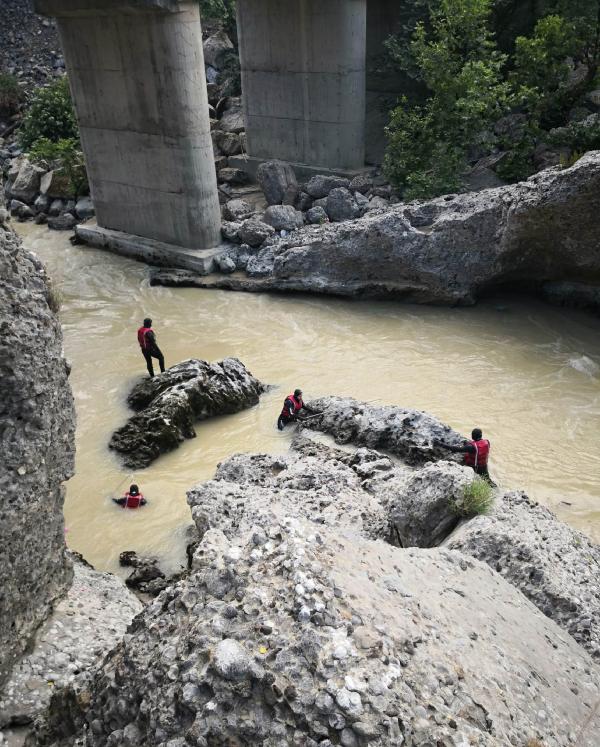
(297, 393)
(147, 322)
(134, 490)
(476, 434)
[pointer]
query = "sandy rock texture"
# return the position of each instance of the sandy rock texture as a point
(169, 404)
(37, 423)
(85, 624)
(295, 627)
(554, 565)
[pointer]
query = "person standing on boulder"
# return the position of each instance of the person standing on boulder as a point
(476, 452)
(147, 341)
(291, 409)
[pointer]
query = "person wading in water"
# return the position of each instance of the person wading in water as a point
(132, 499)
(147, 341)
(476, 452)
(291, 408)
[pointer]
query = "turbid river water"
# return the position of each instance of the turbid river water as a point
(526, 373)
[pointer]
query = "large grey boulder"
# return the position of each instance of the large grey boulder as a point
(283, 217)
(424, 508)
(410, 434)
(26, 184)
(292, 631)
(451, 250)
(216, 48)
(84, 208)
(237, 209)
(232, 121)
(320, 186)
(254, 232)
(554, 565)
(169, 404)
(229, 142)
(316, 214)
(277, 180)
(64, 222)
(37, 424)
(341, 205)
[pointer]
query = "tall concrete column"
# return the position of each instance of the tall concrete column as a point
(303, 80)
(136, 70)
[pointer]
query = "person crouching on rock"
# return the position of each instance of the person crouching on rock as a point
(476, 452)
(132, 499)
(291, 409)
(147, 341)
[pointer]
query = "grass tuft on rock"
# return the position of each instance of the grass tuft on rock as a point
(477, 499)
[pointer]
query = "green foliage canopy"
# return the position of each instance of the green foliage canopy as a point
(50, 115)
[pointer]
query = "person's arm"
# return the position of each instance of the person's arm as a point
(151, 338)
(143, 502)
(290, 407)
(464, 449)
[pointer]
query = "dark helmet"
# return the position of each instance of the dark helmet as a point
(147, 322)
(297, 392)
(134, 490)
(476, 434)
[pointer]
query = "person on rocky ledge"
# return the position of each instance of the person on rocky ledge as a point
(149, 347)
(476, 452)
(132, 499)
(292, 407)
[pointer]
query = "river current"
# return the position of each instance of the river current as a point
(526, 373)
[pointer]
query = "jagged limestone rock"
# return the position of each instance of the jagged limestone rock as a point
(295, 630)
(37, 424)
(169, 404)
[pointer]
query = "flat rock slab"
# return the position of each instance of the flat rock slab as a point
(87, 623)
(554, 565)
(411, 435)
(169, 404)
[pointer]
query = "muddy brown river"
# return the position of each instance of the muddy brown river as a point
(527, 373)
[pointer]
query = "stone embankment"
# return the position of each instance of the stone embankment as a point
(535, 235)
(169, 404)
(301, 623)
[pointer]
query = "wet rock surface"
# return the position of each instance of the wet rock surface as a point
(37, 424)
(409, 434)
(294, 627)
(85, 624)
(554, 565)
(169, 404)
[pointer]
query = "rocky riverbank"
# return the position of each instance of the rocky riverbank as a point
(303, 622)
(534, 235)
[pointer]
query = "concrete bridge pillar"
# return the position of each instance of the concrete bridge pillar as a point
(136, 70)
(303, 80)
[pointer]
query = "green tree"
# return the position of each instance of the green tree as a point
(50, 115)
(458, 62)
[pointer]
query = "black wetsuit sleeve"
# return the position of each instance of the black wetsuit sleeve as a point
(466, 449)
(119, 501)
(289, 405)
(143, 502)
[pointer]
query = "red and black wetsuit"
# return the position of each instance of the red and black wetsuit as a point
(291, 408)
(131, 501)
(149, 348)
(476, 455)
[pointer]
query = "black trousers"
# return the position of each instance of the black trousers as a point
(154, 353)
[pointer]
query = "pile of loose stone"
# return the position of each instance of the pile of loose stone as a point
(300, 623)
(33, 192)
(291, 205)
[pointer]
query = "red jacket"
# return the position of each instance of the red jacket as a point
(142, 339)
(297, 405)
(480, 457)
(133, 501)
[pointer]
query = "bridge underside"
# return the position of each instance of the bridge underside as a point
(136, 69)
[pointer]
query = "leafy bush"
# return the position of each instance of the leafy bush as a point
(221, 10)
(50, 116)
(477, 499)
(11, 94)
(65, 155)
(462, 70)
(578, 136)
